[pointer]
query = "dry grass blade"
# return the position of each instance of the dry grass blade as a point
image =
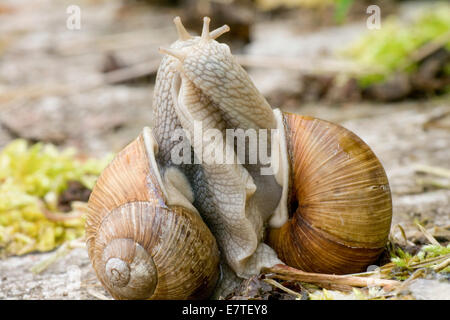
(281, 287)
(62, 251)
(433, 183)
(437, 171)
(427, 235)
(429, 262)
(44, 264)
(90, 83)
(319, 66)
(402, 232)
(287, 273)
(97, 294)
(60, 216)
(430, 47)
(416, 274)
(132, 72)
(441, 266)
(434, 121)
(63, 216)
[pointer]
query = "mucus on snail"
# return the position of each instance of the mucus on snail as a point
(161, 230)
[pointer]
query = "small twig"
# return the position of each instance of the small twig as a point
(403, 233)
(407, 282)
(32, 92)
(424, 51)
(427, 235)
(430, 47)
(437, 171)
(113, 42)
(428, 262)
(44, 264)
(78, 243)
(90, 83)
(318, 67)
(280, 286)
(132, 72)
(288, 273)
(88, 282)
(433, 182)
(60, 216)
(431, 122)
(97, 294)
(442, 265)
(62, 251)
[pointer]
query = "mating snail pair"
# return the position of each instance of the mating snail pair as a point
(158, 229)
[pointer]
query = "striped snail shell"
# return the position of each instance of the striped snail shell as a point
(144, 243)
(339, 200)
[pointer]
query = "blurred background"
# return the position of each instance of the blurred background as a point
(77, 78)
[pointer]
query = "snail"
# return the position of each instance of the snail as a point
(158, 228)
(141, 244)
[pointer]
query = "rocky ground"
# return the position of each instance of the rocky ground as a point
(53, 88)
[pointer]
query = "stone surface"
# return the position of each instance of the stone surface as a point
(69, 278)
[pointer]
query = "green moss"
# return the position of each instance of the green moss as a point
(389, 49)
(431, 251)
(31, 176)
(401, 259)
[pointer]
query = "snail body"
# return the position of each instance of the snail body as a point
(155, 227)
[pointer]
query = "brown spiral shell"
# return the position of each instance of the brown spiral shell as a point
(141, 248)
(340, 200)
